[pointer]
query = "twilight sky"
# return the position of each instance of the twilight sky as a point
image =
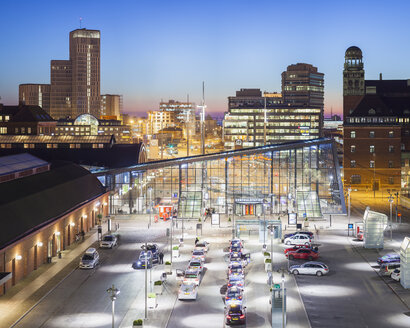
(153, 50)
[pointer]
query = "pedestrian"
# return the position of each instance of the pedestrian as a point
(161, 258)
(196, 240)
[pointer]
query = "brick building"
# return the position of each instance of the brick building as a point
(43, 207)
(376, 127)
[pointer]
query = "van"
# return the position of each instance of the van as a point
(386, 269)
(90, 259)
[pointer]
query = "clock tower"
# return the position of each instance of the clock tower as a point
(353, 80)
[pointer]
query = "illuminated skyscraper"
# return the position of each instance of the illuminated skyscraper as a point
(75, 83)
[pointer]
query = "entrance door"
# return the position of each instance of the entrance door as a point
(13, 272)
(35, 257)
(249, 209)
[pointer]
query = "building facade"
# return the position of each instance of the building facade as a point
(254, 120)
(75, 83)
(376, 137)
(111, 106)
(35, 94)
(303, 86)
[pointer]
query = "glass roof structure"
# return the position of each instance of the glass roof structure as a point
(297, 177)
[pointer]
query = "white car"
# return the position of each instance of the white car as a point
(298, 240)
(108, 241)
(188, 291)
(192, 276)
(90, 259)
(195, 263)
(395, 275)
(202, 246)
(199, 253)
(312, 267)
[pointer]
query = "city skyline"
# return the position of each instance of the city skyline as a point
(153, 52)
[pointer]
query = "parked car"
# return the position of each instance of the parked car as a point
(310, 234)
(235, 314)
(234, 295)
(386, 269)
(108, 241)
(195, 263)
(235, 281)
(236, 242)
(303, 253)
(90, 259)
(235, 257)
(236, 269)
(296, 247)
(315, 268)
(192, 276)
(154, 250)
(198, 253)
(235, 249)
(395, 275)
(188, 291)
(202, 246)
(298, 240)
(389, 258)
(144, 258)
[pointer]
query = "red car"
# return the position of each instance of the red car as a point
(303, 253)
(295, 248)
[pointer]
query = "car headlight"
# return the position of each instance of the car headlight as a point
(139, 262)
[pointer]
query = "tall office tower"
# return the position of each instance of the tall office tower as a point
(303, 85)
(35, 94)
(75, 83)
(61, 89)
(85, 61)
(111, 105)
(353, 80)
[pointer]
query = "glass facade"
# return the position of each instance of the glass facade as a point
(302, 177)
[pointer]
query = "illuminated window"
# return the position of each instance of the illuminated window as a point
(372, 148)
(371, 134)
(352, 148)
(353, 163)
(372, 164)
(391, 134)
(352, 134)
(391, 149)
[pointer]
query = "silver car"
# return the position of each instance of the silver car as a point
(108, 241)
(312, 267)
(90, 259)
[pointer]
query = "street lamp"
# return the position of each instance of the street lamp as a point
(150, 206)
(113, 292)
(391, 200)
(374, 175)
(349, 191)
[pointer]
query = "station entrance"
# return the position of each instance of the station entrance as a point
(258, 230)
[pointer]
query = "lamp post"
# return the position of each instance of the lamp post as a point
(271, 248)
(264, 221)
(146, 280)
(391, 200)
(113, 292)
(397, 204)
(150, 206)
(283, 299)
(374, 175)
(183, 198)
(349, 191)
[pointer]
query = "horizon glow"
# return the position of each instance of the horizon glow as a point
(160, 50)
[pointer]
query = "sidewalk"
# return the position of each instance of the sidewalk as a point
(27, 293)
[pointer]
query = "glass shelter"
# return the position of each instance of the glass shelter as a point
(301, 177)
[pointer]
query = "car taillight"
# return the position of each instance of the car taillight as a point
(326, 269)
(240, 297)
(229, 317)
(229, 285)
(227, 298)
(242, 316)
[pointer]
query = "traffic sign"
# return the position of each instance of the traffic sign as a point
(276, 286)
(350, 226)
